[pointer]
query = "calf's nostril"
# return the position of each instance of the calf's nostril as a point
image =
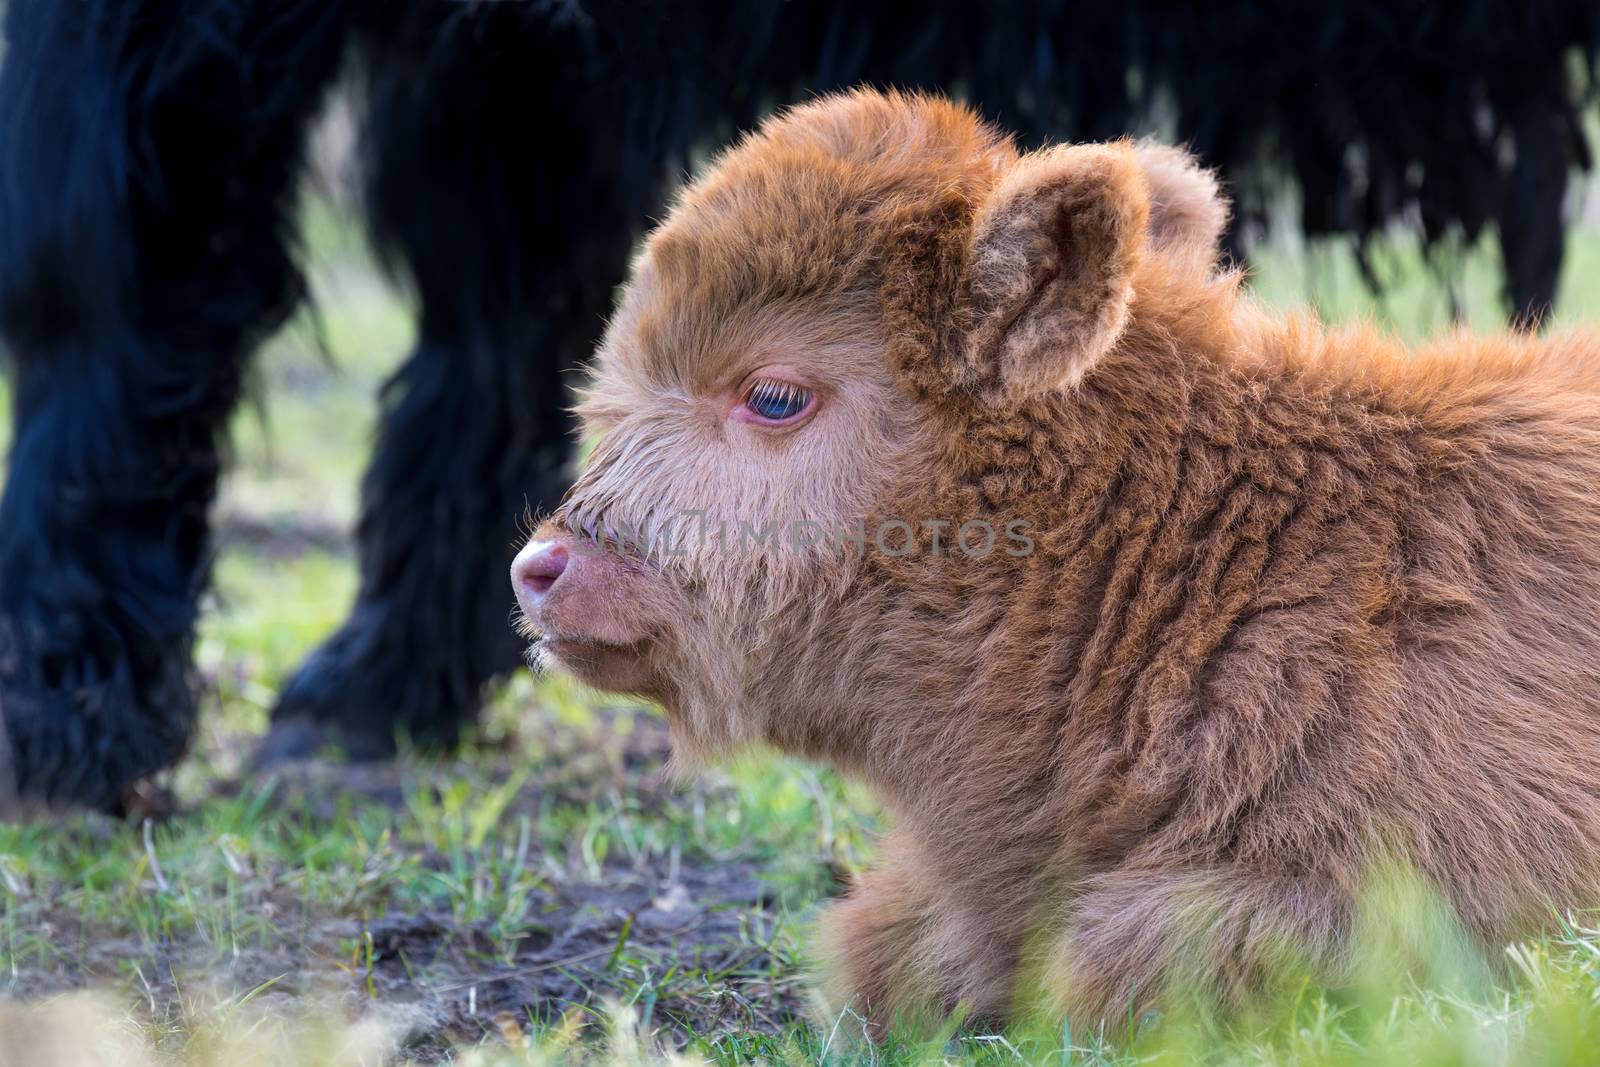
(539, 566)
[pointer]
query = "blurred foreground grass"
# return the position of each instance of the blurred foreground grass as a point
(258, 925)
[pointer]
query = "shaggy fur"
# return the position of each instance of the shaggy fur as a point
(1298, 601)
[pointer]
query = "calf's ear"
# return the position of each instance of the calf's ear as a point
(1188, 210)
(1050, 268)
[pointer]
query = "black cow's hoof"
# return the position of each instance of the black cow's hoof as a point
(298, 738)
(88, 748)
(358, 694)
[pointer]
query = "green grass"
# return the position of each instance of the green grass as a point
(257, 925)
(1420, 295)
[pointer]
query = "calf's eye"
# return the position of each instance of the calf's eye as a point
(772, 401)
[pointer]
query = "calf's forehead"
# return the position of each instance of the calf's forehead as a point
(702, 331)
(781, 240)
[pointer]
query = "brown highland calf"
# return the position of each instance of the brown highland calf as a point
(1262, 602)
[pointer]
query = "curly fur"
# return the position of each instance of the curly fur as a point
(1300, 602)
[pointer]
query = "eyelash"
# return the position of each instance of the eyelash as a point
(769, 395)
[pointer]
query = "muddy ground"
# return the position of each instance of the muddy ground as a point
(693, 944)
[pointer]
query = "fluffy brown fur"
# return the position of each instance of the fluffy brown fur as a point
(1298, 600)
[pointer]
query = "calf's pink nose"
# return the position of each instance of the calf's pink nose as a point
(538, 567)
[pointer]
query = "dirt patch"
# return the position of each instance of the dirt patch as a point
(694, 953)
(693, 945)
(691, 953)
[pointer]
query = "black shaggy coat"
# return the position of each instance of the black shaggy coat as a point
(149, 154)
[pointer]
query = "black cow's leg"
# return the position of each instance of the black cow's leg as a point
(1531, 221)
(147, 158)
(497, 190)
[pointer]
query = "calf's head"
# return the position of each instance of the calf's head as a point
(807, 343)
